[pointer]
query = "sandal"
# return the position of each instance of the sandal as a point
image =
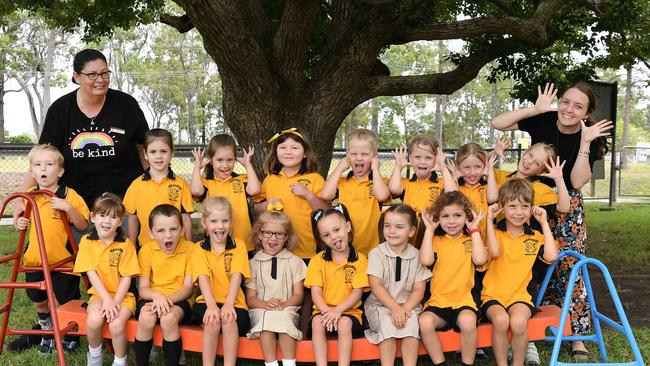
(580, 355)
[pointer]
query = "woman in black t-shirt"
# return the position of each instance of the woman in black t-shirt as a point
(580, 142)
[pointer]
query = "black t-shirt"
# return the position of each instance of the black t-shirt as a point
(543, 128)
(100, 154)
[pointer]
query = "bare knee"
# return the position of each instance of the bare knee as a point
(500, 322)
(344, 327)
(116, 326)
(94, 321)
(211, 330)
(147, 321)
(168, 323)
(466, 322)
(518, 325)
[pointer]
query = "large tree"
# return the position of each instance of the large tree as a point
(309, 63)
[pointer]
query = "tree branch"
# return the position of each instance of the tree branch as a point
(181, 23)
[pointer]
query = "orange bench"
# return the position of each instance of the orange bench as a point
(361, 349)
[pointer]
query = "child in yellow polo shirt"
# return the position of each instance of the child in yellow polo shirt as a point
(218, 161)
(220, 265)
(514, 249)
(452, 243)
(337, 278)
(164, 285)
(108, 257)
(293, 180)
(158, 185)
(363, 190)
(422, 189)
(46, 167)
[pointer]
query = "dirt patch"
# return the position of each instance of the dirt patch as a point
(633, 289)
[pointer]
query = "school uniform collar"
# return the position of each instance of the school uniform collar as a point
(119, 235)
(368, 177)
(433, 177)
(283, 254)
(61, 192)
(205, 243)
(409, 253)
(353, 256)
(210, 176)
(147, 175)
(501, 225)
(481, 181)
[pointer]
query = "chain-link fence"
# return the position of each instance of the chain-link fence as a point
(633, 179)
(634, 172)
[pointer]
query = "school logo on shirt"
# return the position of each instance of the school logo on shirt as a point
(349, 271)
(114, 258)
(174, 192)
(467, 246)
(237, 186)
(482, 194)
(227, 262)
(530, 246)
(304, 182)
(434, 192)
(371, 193)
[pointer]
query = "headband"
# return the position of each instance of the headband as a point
(291, 130)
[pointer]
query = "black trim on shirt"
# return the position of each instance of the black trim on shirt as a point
(352, 255)
(205, 243)
(481, 181)
(120, 237)
(147, 175)
(433, 177)
(501, 225)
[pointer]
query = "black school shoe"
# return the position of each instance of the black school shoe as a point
(25, 342)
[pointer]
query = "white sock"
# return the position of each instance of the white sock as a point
(272, 363)
(288, 362)
(119, 361)
(95, 352)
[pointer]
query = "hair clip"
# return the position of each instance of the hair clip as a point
(275, 207)
(339, 208)
(277, 135)
(318, 214)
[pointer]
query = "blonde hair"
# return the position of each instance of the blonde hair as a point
(49, 148)
(362, 134)
(212, 204)
(471, 149)
(548, 150)
(516, 189)
(273, 216)
(424, 140)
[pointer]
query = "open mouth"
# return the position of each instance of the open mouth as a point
(169, 246)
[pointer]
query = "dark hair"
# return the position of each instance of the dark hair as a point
(399, 209)
(600, 145)
(218, 141)
(309, 163)
(85, 56)
(108, 202)
(341, 211)
(448, 199)
(158, 134)
(516, 189)
(166, 210)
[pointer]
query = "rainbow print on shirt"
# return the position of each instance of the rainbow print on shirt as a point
(92, 143)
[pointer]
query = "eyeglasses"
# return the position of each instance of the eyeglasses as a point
(278, 235)
(93, 75)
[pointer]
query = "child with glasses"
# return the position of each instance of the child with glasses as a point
(275, 291)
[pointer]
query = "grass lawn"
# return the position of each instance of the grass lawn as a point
(619, 238)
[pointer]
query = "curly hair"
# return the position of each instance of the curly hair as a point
(452, 198)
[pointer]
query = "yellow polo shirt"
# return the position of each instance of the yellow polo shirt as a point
(234, 189)
(338, 280)
(166, 272)
(111, 262)
(544, 195)
(298, 209)
(219, 267)
(144, 195)
(54, 235)
(478, 197)
(422, 194)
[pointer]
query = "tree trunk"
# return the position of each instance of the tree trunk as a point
(47, 73)
(374, 120)
(495, 102)
(626, 115)
(2, 97)
(441, 100)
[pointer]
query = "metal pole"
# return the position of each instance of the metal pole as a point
(612, 173)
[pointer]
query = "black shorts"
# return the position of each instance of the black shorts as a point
(450, 316)
(183, 304)
(487, 305)
(65, 287)
(357, 329)
(243, 319)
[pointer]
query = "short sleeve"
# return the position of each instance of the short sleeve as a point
(187, 205)
(422, 273)
(129, 261)
(240, 261)
(375, 263)
(298, 269)
(52, 133)
(84, 262)
(318, 184)
(144, 259)
(252, 283)
(130, 200)
(314, 276)
(199, 264)
(360, 279)
(78, 204)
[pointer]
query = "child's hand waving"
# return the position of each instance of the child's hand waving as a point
(199, 161)
(474, 224)
(441, 158)
(245, 160)
(554, 169)
(491, 163)
(545, 98)
(503, 144)
(401, 157)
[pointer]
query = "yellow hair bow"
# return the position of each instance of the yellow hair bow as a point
(292, 130)
(275, 207)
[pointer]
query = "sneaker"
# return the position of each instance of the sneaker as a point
(155, 353)
(70, 346)
(46, 346)
(25, 342)
(95, 360)
(532, 357)
(182, 360)
(481, 355)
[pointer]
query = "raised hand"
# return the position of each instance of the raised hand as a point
(427, 219)
(554, 169)
(199, 161)
(493, 211)
(490, 164)
(474, 224)
(598, 129)
(539, 214)
(441, 158)
(245, 160)
(503, 144)
(545, 98)
(401, 157)
(453, 169)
